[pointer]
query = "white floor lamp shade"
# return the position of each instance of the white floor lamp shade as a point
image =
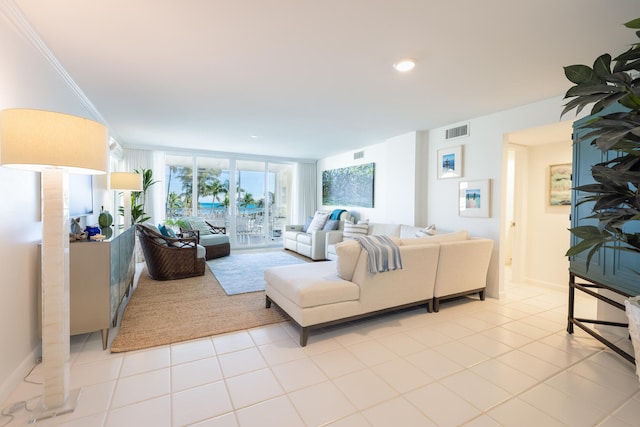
(127, 182)
(54, 144)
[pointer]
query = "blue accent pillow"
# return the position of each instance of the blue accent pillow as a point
(307, 223)
(331, 224)
(166, 232)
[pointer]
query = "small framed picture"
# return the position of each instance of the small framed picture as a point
(475, 198)
(560, 185)
(450, 162)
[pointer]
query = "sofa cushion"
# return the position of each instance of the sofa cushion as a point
(348, 253)
(214, 239)
(352, 230)
(201, 252)
(310, 285)
(439, 238)
(319, 219)
(304, 238)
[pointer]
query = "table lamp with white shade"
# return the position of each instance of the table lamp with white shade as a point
(54, 144)
(127, 182)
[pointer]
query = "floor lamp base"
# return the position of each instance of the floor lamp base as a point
(40, 412)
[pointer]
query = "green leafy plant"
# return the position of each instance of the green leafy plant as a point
(611, 84)
(139, 198)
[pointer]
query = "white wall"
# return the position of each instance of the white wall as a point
(395, 179)
(26, 81)
(546, 234)
(483, 152)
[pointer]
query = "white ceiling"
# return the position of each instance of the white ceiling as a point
(310, 78)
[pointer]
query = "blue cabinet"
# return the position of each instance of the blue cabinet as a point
(617, 269)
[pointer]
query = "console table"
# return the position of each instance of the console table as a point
(100, 275)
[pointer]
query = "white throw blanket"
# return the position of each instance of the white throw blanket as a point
(384, 255)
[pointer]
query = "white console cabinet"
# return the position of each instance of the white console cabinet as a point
(100, 275)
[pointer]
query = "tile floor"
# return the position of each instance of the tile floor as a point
(505, 362)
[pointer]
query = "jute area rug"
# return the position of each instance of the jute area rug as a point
(166, 312)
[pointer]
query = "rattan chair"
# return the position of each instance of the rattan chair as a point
(169, 258)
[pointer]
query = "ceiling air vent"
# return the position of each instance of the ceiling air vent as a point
(457, 132)
(358, 155)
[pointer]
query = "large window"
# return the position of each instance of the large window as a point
(249, 198)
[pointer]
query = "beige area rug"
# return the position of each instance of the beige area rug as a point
(166, 312)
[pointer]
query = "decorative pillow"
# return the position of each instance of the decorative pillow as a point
(319, 219)
(306, 224)
(427, 231)
(163, 230)
(352, 230)
(331, 224)
(200, 225)
(348, 253)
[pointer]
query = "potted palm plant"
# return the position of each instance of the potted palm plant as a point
(612, 87)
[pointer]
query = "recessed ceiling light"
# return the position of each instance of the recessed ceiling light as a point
(405, 65)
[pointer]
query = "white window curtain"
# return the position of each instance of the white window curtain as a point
(134, 159)
(305, 192)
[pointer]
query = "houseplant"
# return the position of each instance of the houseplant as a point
(615, 193)
(613, 87)
(139, 198)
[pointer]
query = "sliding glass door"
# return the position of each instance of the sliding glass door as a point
(250, 198)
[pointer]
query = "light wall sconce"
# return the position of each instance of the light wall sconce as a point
(127, 182)
(54, 144)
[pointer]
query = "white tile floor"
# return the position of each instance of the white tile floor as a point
(505, 362)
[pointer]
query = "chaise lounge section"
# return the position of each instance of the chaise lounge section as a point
(434, 269)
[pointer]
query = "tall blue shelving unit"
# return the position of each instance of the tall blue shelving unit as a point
(613, 270)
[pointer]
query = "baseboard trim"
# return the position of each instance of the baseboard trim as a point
(7, 387)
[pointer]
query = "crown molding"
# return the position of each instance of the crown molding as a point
(15, 16)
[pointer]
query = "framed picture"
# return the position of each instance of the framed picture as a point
(475, 198)
(559, 185)
(350, 186)
(450, 162)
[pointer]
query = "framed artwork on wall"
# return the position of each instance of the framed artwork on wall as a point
(475, 198)
(350, 186)
(559, 185)
(450, 162)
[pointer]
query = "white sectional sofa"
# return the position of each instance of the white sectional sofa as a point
(434, 268)
(393, 230)
(312, 244)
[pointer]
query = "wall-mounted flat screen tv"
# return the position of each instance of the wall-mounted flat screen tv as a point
(80, 195)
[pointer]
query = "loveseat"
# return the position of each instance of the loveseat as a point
(433, 268)
(309, 239)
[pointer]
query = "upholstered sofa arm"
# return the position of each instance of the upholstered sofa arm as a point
(318, 239)
(334, 237)
(293, 228)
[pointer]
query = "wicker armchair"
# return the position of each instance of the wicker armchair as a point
(169, 258)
